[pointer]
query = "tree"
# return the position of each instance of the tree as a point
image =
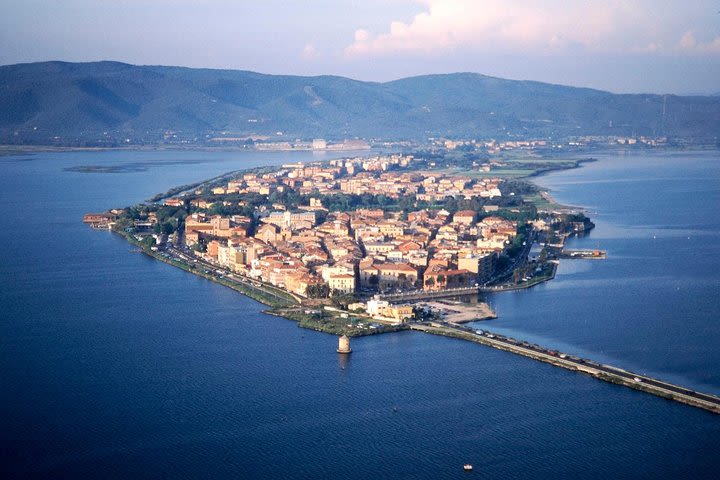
(430, 282)
(342, 300)
(167, 228)
(502, 263)
(148, 242)
(319, 290)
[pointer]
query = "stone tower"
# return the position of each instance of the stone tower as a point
(344, 345)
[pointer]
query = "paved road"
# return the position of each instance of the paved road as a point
(220, 272)
(710, 402)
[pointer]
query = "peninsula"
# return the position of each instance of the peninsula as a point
(365, 245)
(355, 245)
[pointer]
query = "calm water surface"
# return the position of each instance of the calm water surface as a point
(654, 304)
(118, 366)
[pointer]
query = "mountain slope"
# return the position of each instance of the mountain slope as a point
(106, 102)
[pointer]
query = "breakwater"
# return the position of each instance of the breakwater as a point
(608, 373)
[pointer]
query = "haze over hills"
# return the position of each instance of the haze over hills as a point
(104, 103)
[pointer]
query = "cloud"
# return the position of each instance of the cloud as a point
(309, 52)
(688, 43)
(528, 26)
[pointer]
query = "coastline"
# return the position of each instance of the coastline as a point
(10, 149)
(288, 306)
(282, 303)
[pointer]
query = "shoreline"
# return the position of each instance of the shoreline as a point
(281, 303)
(286, 305)
(267, 295)
(13, 149)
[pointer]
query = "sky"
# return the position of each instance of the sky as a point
(632, 46)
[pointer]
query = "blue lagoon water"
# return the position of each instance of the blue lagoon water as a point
(654, 305)
(118, 366)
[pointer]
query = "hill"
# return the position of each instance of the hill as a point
(104, 103)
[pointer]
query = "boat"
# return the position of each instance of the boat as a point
(467, 467)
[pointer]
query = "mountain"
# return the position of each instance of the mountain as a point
(108, 102)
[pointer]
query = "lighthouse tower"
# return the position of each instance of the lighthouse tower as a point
(344, 345)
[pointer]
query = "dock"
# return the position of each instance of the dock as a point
(583, 254)
(607, 373)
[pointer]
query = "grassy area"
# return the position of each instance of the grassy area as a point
(516, 167)
(539, 160)
(334, 323)
(541, 202)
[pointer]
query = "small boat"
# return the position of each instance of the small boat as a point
(467, 467)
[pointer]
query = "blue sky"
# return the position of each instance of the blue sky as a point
(662, 46)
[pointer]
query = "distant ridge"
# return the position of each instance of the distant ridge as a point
(105, 103)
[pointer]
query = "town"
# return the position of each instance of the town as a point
(362, 233)
(360, 246)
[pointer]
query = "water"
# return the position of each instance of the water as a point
(118, 366)
(653, 305)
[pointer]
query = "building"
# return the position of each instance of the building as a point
(342, 283)
(268, 233)
(481, 265)
(442, 279)
(374, 248)
(174, 202)
(231, 257)
(293, 221)
(383, 309)
(298, 282)
(319, 144)
(464, 217)
(396, 275)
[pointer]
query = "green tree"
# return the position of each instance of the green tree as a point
(148, 242)
(318, 291)
(342, 300)
(167, 228)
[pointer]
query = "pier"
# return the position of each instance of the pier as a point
(607, 373)
(588, 254)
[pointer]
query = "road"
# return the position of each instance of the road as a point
(222, 273)
(520, 260)
(605, 372)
